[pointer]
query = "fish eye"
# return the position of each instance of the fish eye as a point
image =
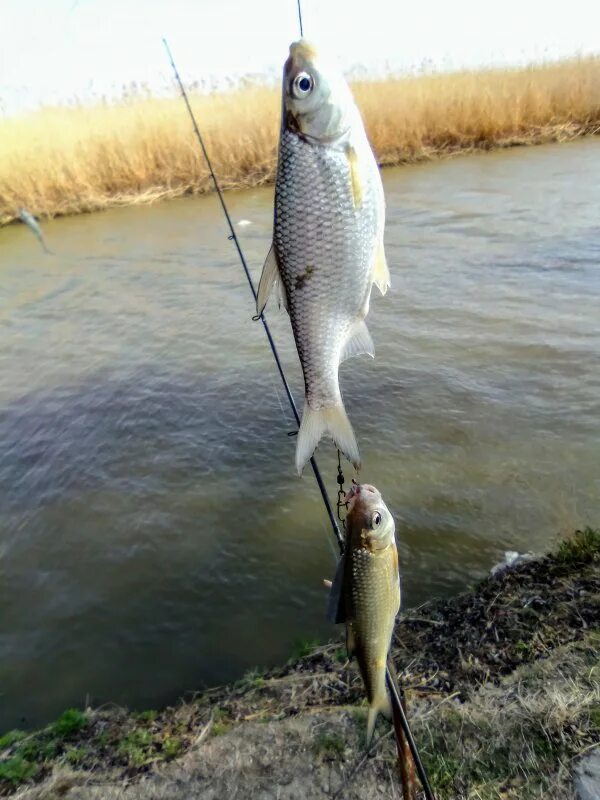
(376, 520)
(303, 84)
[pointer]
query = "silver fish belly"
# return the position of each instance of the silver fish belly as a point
(325, 247)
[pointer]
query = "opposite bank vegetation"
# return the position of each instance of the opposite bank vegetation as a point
(76, 159)
(502, 685)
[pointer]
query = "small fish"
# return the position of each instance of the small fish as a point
(366, 592)
(33, 225)
(327, 239)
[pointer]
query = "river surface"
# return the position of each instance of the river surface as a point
(154, 538)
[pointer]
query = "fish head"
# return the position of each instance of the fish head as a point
(369, 522)
(317, 102)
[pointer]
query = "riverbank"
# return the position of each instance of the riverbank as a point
(78, 159)
(503, 696)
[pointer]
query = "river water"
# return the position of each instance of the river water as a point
(154, 538)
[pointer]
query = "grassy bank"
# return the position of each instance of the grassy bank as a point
(503, 695)
(70, 160)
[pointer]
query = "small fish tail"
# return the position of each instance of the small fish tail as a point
(316, 424)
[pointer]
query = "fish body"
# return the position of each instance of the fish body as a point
(370, 592)
(327, 239)
(31, 222)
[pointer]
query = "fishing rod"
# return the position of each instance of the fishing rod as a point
(395, 695)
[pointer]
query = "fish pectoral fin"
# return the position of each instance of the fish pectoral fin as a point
(355, 176)
(396, 590)
(336, 607)
(359, 341)
(350, 640)
(381, 272)
(269, 277)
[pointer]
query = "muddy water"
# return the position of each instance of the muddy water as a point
(153, 536)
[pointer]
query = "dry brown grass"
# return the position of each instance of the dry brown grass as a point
(69, 160)
(520, 739)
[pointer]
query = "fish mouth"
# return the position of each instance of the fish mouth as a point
(358, 489)
(302, 53)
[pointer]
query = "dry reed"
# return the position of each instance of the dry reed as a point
(69, 160)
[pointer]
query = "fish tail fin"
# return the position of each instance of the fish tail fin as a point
(316, 424)
(380, 705)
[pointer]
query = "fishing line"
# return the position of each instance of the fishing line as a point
(300, 18)
(233, 237)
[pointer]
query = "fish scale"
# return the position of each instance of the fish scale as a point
(372, 606)
(322, 243)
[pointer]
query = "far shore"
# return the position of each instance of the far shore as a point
(78, 159)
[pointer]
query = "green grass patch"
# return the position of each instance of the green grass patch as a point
(145, 716)
(103, 739)
(17, 770)
(219, 728)
(38, 748)
(442, 772)
(594, 715)
(29, 751)
(221, 722)
(303, 648)
(10, 738)
(70, 721)
(136, 747)
(172, 747)
(329, 746)
(584, 546)
(76, 755)
(252, 679)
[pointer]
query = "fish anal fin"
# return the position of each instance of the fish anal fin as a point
(381, 272)
(268, 279)
(359, 341)
(355, 176)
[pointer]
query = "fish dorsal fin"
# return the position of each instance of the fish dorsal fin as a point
(336, 606)
(359, 341)
(269, 277)
(355, 176)
(381, 272)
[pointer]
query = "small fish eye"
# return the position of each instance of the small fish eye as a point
(303, 84)
(376, 520)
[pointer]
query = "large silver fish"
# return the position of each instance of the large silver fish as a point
(327, 239)
(366, 592)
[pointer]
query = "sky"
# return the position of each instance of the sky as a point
(55, 50)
